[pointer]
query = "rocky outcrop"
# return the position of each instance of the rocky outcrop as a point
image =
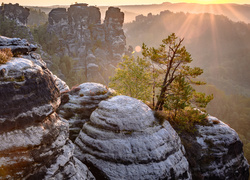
(218, 152)
(95, 47)
(78, 104)
(15, 13)
(114, 33)
(123, 140)
(18, 46)
(13, 20)
(57, 15)
(34, 139)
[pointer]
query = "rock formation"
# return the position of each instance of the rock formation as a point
(13, 20)
(78, 104)
(95, 47)
(17, 45)
(15, 12)
(34, 139)
(218, 152)
(123, 140)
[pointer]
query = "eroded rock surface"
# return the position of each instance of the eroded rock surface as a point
(78, 104)
(123, 140)
(15, 12)
(17, 45)
(34, 139)
(220, 155)
(95, 46)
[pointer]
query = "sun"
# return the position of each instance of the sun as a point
(208, 1)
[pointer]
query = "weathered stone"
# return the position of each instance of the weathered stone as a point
(114, 14)
(57, 15)
(114, 33)
(17, 45)
(123, 140)
(219, 152)
(79, 12)
(83, 37)
(15, 12)
(78, 104)
(34, 139)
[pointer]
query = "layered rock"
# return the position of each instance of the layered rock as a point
(218, 152)
(93, 45)
(18, 46)
(123, 140)
(78, 104)
(34, 139)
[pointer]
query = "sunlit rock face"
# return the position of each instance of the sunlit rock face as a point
(78, 104)
(94, 45)
(219, 153)
(123, 140)
(34, 139)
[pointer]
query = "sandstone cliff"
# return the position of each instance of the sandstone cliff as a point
(13, 20)
(94, 45)
(34, 139)
(15, 12)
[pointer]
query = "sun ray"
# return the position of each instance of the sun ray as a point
(237, 16)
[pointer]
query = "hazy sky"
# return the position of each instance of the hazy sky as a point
(118, 2)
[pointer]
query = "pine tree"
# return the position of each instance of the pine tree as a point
(173, 59)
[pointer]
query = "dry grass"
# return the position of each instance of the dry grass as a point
(5, 55)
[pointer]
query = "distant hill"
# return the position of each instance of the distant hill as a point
(218, 45)
(234, 12)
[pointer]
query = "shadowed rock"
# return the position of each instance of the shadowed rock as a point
(34, 139)
(57, 15)
(218, 152)
(15, 12)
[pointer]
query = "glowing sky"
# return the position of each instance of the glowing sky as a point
(118, 2)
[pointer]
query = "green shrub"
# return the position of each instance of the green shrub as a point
(185, 120)
(5, 55)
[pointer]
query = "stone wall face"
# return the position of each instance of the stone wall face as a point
(34, 139)
(92, 44)
(15, 12)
